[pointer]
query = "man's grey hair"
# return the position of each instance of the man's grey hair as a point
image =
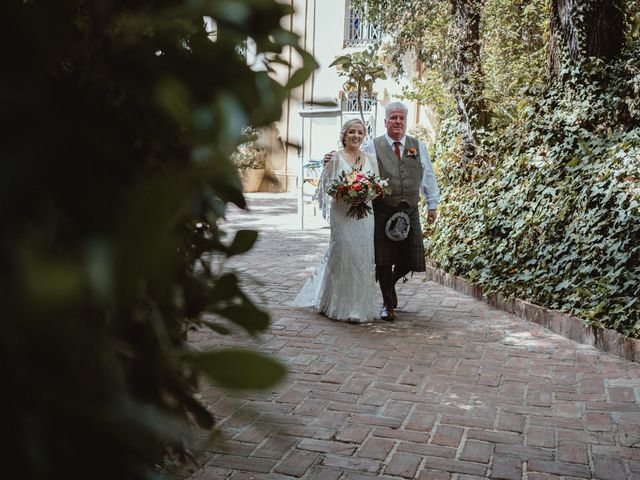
(395, 106)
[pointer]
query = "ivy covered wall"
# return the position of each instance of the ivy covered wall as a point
(550, 211)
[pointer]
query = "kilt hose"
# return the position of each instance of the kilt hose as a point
(408, 252)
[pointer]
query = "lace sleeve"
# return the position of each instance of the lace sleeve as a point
(324, 200)
(373, 163)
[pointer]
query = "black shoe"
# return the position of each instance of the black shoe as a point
(394, 297)
(387, 314)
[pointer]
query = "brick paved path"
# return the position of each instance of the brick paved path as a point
(453, 390)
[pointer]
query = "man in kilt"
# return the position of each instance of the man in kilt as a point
(404, 161)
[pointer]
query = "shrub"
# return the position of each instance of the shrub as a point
(118, 125)
(550, 211)
(249, 156)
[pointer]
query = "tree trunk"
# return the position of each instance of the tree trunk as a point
(472, 108)
(584, 28)
(360, 109)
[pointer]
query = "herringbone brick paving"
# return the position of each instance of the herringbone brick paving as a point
(454, 389)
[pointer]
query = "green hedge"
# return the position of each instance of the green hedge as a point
(119, 119)
(550, 212)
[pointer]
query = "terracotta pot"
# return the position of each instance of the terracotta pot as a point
(251, 179)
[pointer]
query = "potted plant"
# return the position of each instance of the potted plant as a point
(362, 69)
(250, 161)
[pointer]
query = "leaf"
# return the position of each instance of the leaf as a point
(225, 288)
(248, 317)
(202, 416)
(309, 64)
(216, 328)
(238, 369)
(242, 242)
(297, 79)
(344, 59)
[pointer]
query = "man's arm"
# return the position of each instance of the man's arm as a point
(367, 147)
(429, 185)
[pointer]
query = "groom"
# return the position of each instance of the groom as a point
(405, 162)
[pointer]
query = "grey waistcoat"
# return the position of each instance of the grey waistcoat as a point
(405, 175)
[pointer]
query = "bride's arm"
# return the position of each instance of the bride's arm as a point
(326, 177)
(373, 160)
(329, 171)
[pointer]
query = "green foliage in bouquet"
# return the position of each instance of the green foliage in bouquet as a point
(358, 185)
(550, 211)
(119, 119)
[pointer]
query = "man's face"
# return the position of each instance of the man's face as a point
(396, 124)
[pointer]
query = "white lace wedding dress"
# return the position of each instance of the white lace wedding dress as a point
(343, 286)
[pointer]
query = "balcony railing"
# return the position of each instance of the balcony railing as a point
(359, 32)
(350, 102)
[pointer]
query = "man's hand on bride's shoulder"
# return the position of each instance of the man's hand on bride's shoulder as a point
(327, 157)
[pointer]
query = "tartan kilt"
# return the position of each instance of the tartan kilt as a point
(410, 251)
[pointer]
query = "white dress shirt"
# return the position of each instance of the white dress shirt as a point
(428, 186)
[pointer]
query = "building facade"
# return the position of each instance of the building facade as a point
(314, 112)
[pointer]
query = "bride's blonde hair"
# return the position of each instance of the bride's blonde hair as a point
(347, 125)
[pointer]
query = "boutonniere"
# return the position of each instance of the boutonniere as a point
(412, 152)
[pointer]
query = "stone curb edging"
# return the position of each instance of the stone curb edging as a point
(604, 339)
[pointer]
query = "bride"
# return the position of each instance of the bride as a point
(343, 286)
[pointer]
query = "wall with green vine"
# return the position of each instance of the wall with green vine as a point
(550, 209)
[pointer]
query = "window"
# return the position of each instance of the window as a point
(357, 31)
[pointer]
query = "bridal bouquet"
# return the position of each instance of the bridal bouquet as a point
(357, 185)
